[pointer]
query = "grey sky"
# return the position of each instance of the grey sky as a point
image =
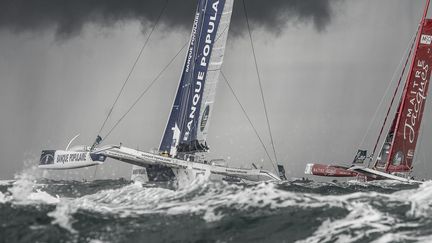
(68, 18)
(322, 77)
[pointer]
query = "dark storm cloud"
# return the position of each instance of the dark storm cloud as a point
(68, 17)
(275, 14)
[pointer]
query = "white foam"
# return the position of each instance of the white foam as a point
(207, 200)
(396, 237)
(63, 216)
(420, 200)
(6, 182)
(43, 197)
(204, 200)
(361, 220)
(22, 187)
(424, 239)
(97, 241)
(2, 198)
(23, 191)
(364, 218)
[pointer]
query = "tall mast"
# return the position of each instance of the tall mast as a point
(187, 126)
(399, 148)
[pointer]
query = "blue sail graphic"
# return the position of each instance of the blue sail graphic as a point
(188, 118)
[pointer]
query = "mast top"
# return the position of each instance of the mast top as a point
(425, 12)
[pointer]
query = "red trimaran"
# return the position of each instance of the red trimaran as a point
(397, 153)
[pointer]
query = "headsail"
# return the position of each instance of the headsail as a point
(187, 126)
(398, 150)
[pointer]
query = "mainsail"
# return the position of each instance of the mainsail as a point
(188, 123)
(398, 150)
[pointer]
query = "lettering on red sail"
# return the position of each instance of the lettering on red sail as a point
(415, 104)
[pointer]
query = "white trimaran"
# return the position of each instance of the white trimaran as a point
(180, 153)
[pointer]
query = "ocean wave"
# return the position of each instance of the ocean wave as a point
(363, 220)
(420, 200)
(211, 201)
(330, 212)
(395, 217)
(62, 216)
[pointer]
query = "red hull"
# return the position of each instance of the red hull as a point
(329, 170)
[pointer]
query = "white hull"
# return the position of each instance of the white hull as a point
(66, 159)
(188, 170)
(371, 172)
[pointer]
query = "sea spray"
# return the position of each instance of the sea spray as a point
(23, 189)
(62, 216)
(24, 185)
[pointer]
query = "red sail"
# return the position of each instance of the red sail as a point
(406, 126)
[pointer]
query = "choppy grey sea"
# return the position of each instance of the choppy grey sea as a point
(41, 210)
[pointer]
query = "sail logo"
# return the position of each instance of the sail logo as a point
(426, 39)
(418, 94)
(75, 157)
(196, 98)
(208, 38)
(204, 118)
(210, 30)
(192, 41)
(47, 157)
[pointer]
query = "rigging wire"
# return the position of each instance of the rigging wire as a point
(393, 79)
(151, 84)
(145, 91)
(248, 118)
(134, 65)
(259, 82)
(394, 95)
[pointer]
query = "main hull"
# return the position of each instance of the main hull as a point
(189, 170)
(329, 170)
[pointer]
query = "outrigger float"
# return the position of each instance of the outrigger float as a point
(181, 152)
(395, 161)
